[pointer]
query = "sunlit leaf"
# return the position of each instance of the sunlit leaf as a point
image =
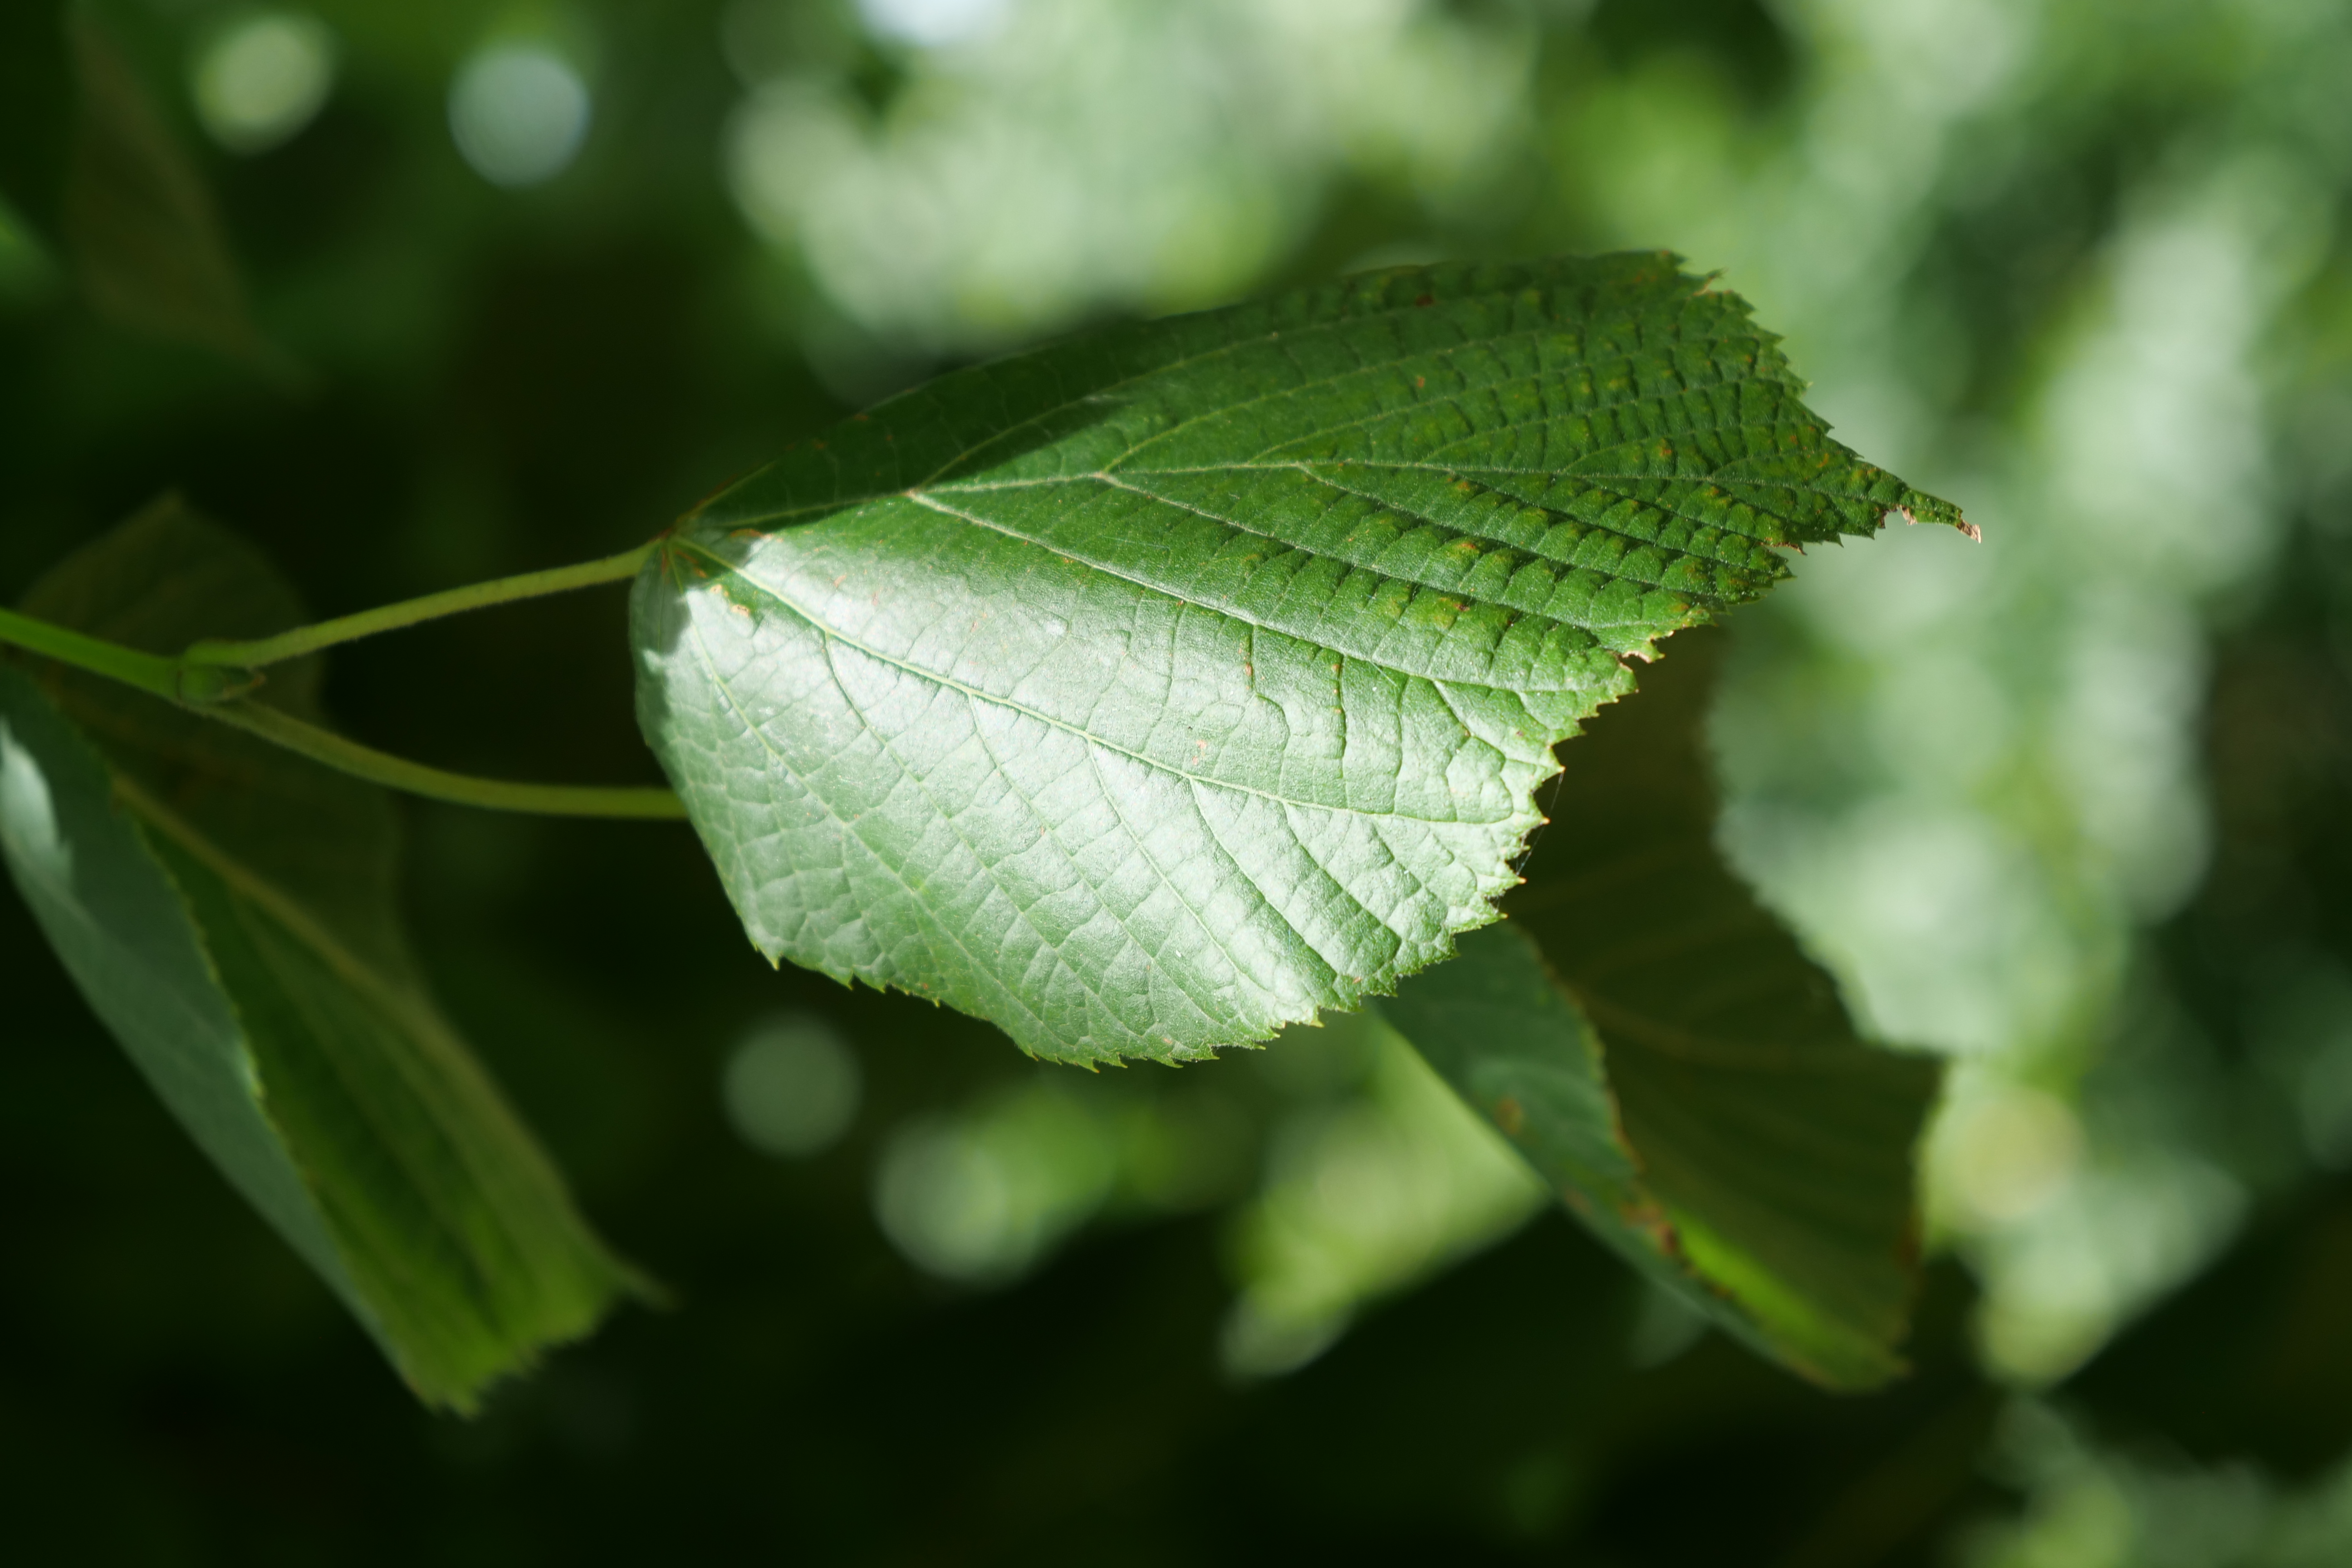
(228, 910)
(1660, 1050)
(1149, 691)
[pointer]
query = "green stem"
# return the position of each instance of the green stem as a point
(324, 746)
(409, 612)
(210, 680)
(148, 672)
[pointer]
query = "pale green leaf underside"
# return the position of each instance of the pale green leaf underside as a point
(1155, 688)
(1662, 1050)
(118, 925)
(229, 911)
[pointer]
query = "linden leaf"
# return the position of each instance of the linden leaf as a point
(229, 911)
(1663, 1053)
(1155, 688)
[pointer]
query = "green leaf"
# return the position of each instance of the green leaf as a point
(1662, 1050)
(1149, 691)
(229, 911)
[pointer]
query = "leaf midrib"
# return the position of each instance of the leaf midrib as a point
(933, 481)
(1233, 614)
(1368, 367)
(1094, 744)
(928, 496)
(1314, 472)
(281, 906)
(834, 634)
(412, 1022)
(971, 959)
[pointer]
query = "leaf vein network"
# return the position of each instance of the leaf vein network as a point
(1102, 901)
(1226, 610)
(1498, 345)
(1454, 398)
(988, 865)
(849, 824)
(977, 694)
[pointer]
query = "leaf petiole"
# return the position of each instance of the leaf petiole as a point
(293, 644)
(148, 672)
(213, 677)
(326, 747)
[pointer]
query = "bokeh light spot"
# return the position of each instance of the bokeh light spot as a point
(518, 113)
(980, 1195)
(792, 1086)
(1363, 1196)
(2008, 1153)
(931, 24)
(263, 78)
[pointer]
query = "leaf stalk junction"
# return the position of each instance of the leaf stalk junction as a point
(218, 679)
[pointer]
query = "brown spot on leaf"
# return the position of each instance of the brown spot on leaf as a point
(1425, 300)
(1510, 1116)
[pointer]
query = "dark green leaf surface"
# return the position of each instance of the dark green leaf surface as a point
(1662, 1050)
(1154, 689)
(229, 911)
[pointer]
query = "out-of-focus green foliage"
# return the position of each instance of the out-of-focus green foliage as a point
(1669, 1059)
(228, 909)
(2069, 807)
(138, 218)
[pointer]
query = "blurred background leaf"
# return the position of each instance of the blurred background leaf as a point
(147, 243)
(1664, 1054)
(229, 910)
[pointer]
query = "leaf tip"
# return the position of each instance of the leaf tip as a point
(1916, 508)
